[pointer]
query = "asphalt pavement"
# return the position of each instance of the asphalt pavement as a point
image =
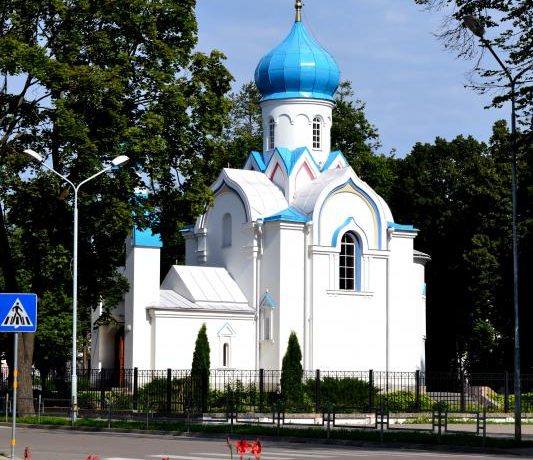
(61, 444)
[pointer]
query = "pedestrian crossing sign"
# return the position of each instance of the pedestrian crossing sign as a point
(18, 312)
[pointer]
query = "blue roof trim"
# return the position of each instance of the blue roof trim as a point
(290, 214)
(146, 238)
(401, 227)
(267, 300)
(288, 157)
(259, 160)
(298, 94)
(332, 157)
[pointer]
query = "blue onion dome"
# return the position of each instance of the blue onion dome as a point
(297, 67)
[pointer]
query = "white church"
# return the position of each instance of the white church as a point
(295, 241)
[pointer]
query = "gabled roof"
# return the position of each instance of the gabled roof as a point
(259, 195)
(201, 288)
(306, 197)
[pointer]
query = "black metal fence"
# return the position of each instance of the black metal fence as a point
(179, 392)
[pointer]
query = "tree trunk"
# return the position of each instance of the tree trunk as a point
(26, 339)
(25, 403)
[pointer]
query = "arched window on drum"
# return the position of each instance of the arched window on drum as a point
(317, 133)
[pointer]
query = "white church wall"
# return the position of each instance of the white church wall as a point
(291, 282)
(270, 280)
(191, 246)
(294, 128)
(142, 271)
(175, 351)
(237, 256)
(348, 326)
(405, 333)
(420, 284)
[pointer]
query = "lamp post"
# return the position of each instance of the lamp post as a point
(74, 376)
(478, 29)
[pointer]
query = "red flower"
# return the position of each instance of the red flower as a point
(242, 446)
(256, 449)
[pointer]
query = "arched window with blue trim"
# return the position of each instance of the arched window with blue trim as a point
(350, 263)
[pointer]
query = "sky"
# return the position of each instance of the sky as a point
(413, 88)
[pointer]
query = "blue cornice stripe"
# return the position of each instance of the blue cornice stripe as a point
(403, 228)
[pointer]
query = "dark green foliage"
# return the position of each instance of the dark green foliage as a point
(342, 392)
(458, 194)
(244, 132)
(200, 358)
(358, 140)
(99, 79)
(292, 389)
(405, 401)
(200, 370)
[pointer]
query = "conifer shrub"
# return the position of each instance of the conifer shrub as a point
(292, 388)
(200, 371)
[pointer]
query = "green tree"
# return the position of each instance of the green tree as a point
(200, 358)
(358, 140)
(244, 133)
(84, 82)
(292, 388)
(200, 369)
(508, 28)
(458, 194)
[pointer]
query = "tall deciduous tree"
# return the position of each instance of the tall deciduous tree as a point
(358, 140)
(244, 133)
(509, 28)
(458, 194)
(84, 82)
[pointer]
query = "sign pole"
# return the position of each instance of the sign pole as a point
(15, 385)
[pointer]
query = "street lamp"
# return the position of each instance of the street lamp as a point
(478, 29)
(74, 376)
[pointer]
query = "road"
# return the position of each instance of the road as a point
(77, 445)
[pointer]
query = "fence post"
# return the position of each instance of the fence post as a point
(506, 391)
(102, 389)
(261, 390)
(417, 390)
(317, 391)
(169, 391)
(135, 388)
(204, 388)
(370, 389)
(462, 392)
